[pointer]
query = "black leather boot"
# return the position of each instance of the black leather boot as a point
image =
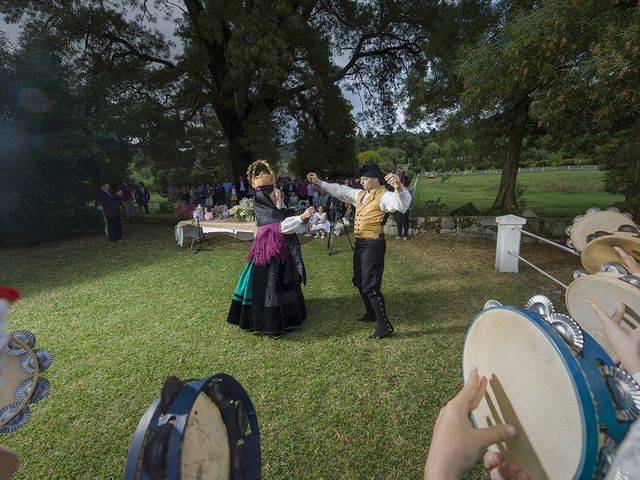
(369, 315)
(383, 325)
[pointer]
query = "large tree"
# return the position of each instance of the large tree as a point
(568, 67)
(595, 92)
(248, 61)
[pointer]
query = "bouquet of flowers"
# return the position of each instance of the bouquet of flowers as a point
(244, 210)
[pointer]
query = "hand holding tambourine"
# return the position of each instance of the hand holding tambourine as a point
(456, 444)
(623, 339)
(629, 262)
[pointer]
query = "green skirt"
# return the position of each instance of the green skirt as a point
(242, 293)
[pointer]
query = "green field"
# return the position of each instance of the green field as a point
(331, 404)
(553, 194)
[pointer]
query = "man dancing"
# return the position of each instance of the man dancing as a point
(372, 206)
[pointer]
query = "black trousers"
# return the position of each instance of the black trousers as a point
(114, 228)
(402, 221)
(368, 264)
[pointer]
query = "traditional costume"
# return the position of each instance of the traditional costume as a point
(372, 208)
(268, 297)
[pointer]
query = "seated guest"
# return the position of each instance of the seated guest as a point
(208, 215)
(321, 225)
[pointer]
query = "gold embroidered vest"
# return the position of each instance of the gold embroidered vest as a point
(369, 216)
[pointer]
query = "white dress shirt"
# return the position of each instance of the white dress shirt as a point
(390, 202)
(290, 224)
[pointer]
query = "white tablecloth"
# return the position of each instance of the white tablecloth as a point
(239, 230)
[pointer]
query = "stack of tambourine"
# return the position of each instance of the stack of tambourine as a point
(595, 233)
(554, 376)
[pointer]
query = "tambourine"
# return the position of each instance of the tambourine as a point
(21, 366)
(201, 429)
(608, 289)
(594, 221)
(568, 401)
(599, 250)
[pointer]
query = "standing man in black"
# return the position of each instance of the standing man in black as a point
(143, 196)
(110, 204)
(402, 219)
(373, 204)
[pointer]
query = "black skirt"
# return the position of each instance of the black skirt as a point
(274, 304)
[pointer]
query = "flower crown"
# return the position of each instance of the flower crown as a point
(264, 178)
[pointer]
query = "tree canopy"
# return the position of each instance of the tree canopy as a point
(251, 63)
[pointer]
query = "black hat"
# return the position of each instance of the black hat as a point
(371, 169)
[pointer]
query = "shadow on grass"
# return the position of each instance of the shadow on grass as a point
(68, 263)
(338, 318)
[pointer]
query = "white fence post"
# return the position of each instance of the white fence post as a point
(508, 240)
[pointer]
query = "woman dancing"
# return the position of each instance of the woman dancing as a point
(268, 298)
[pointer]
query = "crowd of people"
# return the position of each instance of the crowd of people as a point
(211, 194)
(297, 195)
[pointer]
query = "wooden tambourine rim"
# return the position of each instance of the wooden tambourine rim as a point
(34, 377)
(581, 229)
(593, 323)
(592, 264)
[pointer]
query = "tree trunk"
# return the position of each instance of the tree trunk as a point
(240, 157)
(506, 201)
(632, 188)
(233, 127)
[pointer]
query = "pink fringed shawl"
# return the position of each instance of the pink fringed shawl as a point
(269, 243)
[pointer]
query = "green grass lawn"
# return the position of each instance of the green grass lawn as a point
(331, 404)
(553, 194)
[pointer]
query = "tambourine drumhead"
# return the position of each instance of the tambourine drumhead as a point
(205, 451)
(606, 221)
(600, 250)
(197, 429)
(528, 387)
(11, 376)
(607, 290)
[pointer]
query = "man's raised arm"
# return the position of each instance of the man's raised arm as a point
(341, 192)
